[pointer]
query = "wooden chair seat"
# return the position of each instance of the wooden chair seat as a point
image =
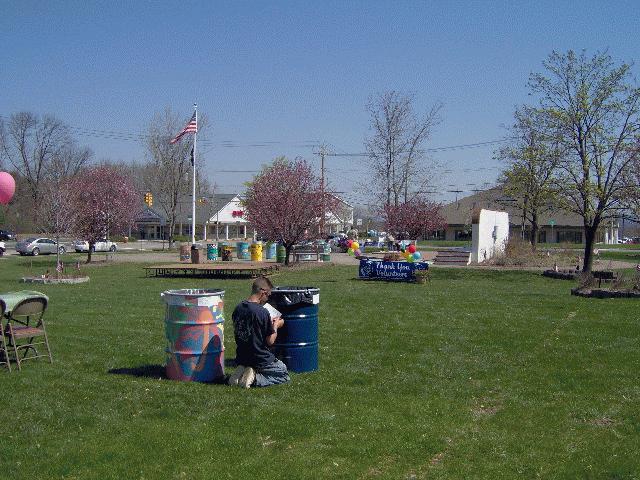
(27, 332)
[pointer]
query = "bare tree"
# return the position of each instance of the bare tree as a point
(595, 107)
(395, 145)
(55, 212)
(38, 147)
(532, 160)
(632, 182)
(168, 171)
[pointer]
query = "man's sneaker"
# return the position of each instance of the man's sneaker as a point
(235, 376)
(248, 377)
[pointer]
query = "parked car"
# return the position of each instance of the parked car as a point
(7, 235)
(2, 248)
(103, 245)
(36, 246)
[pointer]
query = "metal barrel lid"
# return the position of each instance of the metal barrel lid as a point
(292, 289)
(194, 292)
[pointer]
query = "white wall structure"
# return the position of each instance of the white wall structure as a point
(489, 235)
(232, 214)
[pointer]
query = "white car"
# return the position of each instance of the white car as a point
(104, 245)
(2, 248)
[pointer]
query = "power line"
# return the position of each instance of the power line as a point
(434, 149)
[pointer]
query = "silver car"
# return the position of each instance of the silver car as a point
(36, 246)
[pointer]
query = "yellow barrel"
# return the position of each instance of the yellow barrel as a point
(256, 252)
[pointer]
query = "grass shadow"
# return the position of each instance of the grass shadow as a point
(158, 372)
(148, 371)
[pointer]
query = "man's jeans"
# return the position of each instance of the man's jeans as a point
(272, 374)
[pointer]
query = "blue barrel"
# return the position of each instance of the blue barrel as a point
(194, 328)
(242, 250)
(297, 341)
(212, 251)
(270, 251)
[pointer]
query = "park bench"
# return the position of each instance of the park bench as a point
(606, 275)
(306, 254)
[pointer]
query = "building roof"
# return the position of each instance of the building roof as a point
(459, 212)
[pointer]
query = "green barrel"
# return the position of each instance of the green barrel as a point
(325, 257)
(281, 254)
(212, 251)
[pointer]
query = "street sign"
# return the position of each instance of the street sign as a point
(359, 222)
(552, 222)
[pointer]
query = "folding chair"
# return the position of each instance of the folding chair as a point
(25, 325)
(4, 354)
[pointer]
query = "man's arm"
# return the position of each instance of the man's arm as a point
(276, 322)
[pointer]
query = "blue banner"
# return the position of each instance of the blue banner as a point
(397, 271)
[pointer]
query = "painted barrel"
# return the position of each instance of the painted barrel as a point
(297, 341)
(224, 250)
(281, 254)
(242, 250)
(325, 257)
(256, 252)
(270, 251)
(185, 253)
(212, 251)
(194, 328)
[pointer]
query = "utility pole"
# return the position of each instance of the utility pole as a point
(322, 153)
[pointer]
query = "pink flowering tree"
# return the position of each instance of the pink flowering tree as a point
(413, 219)
(285, 202)
(106, 203)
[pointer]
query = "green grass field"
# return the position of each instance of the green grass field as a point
(478, 374)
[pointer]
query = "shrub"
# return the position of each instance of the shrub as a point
(519, 253)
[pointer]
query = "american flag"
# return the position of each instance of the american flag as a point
(192, 127)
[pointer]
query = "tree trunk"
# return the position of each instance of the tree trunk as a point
(288, 250)
(590, 236)
(57, 255)
(534, 231)
(91, 245)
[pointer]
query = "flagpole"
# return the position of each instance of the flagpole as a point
(193, 191)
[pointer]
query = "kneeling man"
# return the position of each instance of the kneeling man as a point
(255, 331)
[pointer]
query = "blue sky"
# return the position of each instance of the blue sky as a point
(290, 72)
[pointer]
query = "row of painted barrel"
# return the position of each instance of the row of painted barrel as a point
(212, 251)
(281, 254)
(185, 253)
(194, 328)
(242, 250)
(297, 341)
(270, 251)
(256, 252)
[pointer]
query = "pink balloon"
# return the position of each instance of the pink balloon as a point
(7, 188)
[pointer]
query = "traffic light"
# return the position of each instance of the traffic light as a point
(148, 199)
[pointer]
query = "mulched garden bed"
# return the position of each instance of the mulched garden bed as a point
(603, 293)
(54, 280)
(561, 274)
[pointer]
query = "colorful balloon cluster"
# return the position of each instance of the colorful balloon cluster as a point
(353, 248)
(411, 254)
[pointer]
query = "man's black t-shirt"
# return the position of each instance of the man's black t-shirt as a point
(251, 327)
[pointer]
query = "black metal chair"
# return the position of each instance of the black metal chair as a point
(4, 354)
(25, 330)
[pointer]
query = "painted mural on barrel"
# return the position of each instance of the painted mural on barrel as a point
(194, 328)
